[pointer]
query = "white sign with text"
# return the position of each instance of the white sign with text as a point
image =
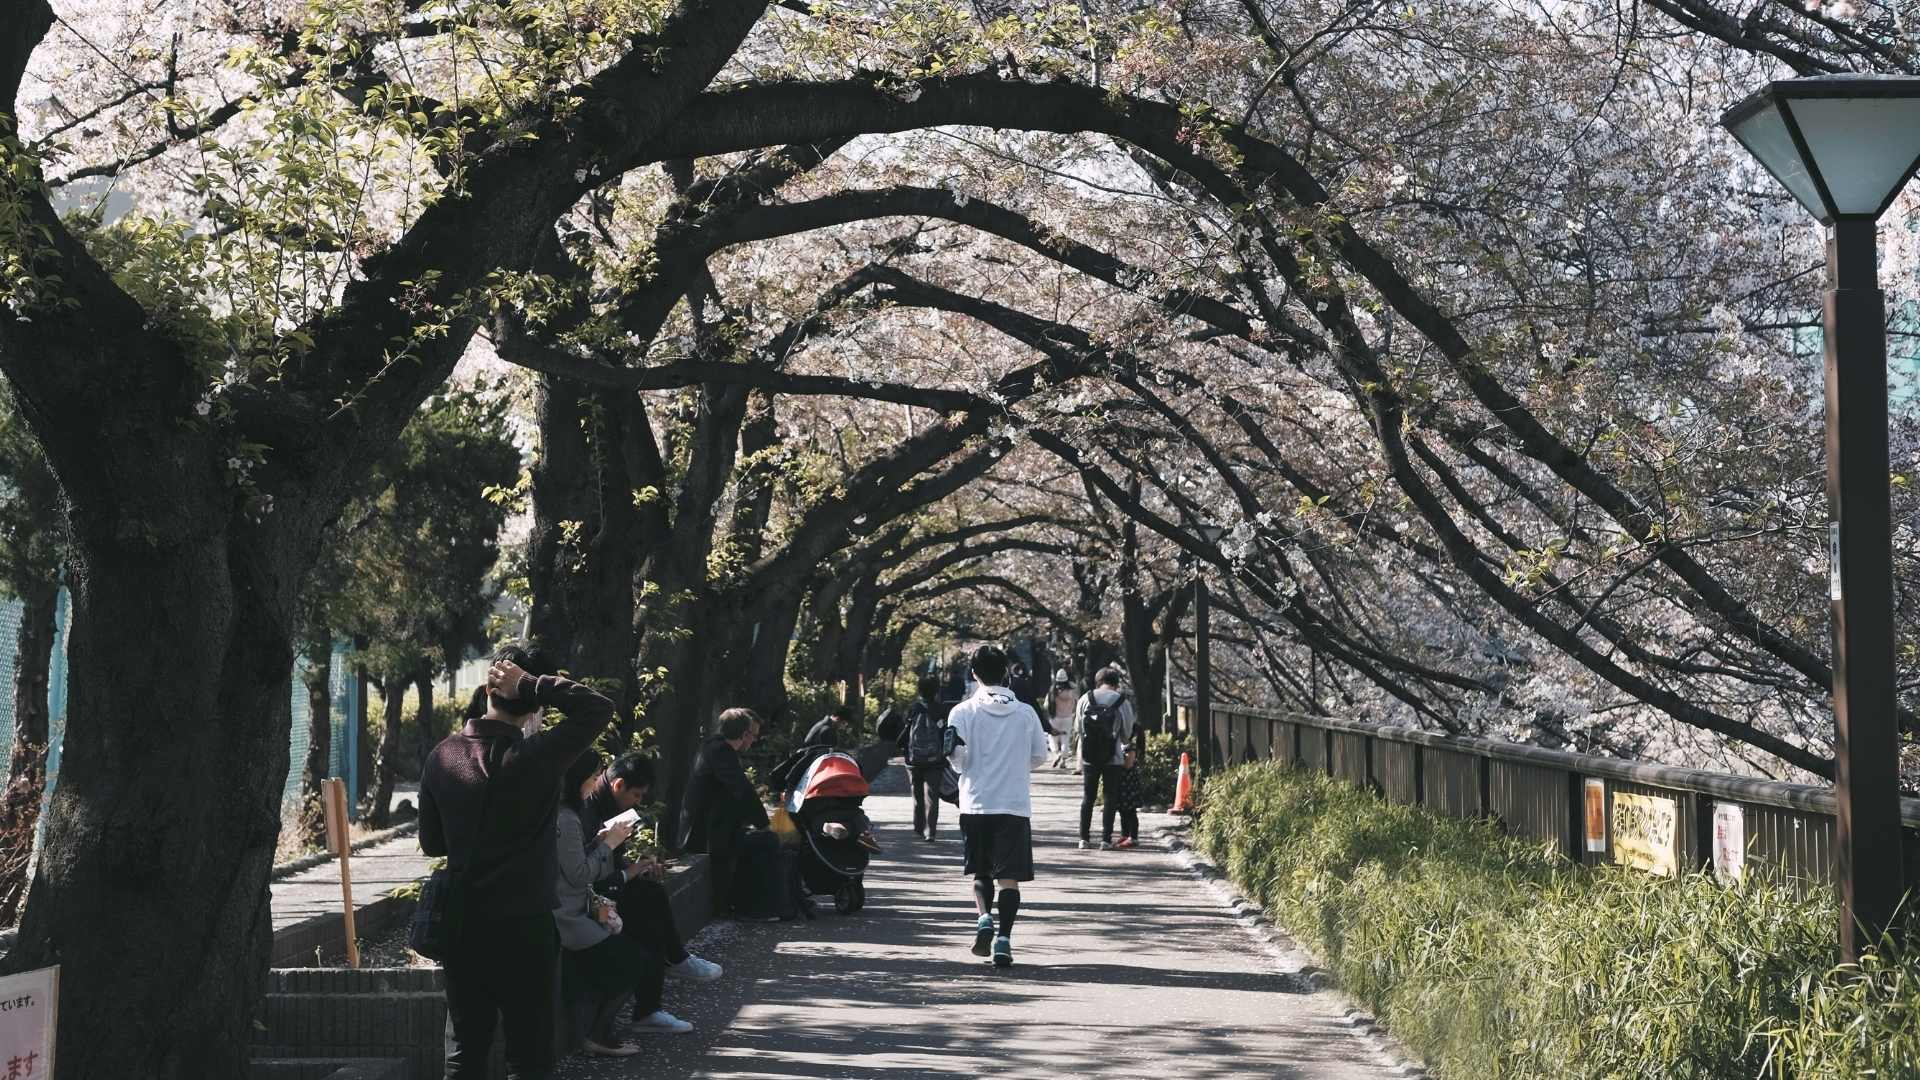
(29, 1010)
(1729, 841)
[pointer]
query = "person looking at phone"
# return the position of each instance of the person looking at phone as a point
(607, 963)
(637, 885)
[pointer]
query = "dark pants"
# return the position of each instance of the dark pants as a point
(1091, 777)
(726, 856)
(723, 854)
(646, 915)
(926, 796)
(503, 971)
(620, 964)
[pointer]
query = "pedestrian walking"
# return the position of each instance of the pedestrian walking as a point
(489, 801)
(995, 742)
(923, 744)
(1061, 702)
(1103, 724)
(832, 729)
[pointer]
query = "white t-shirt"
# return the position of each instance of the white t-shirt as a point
(1000, 744)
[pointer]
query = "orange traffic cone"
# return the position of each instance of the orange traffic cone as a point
(1183, 790)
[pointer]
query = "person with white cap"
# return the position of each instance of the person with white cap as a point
(1061, 702)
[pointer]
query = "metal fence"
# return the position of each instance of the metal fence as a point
(1594, 809)
(344, 688)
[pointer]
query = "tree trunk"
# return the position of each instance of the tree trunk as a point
(319, 683)
(151, 887)
(393, 695)
(27, 768)
(430, 732)
(587, 535)
(425, 725)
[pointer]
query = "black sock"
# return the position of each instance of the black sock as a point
(983, 896)
(1009, 909)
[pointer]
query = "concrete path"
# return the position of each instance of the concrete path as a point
(376, 871)
(1126, 967)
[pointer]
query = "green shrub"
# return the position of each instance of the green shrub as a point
(1492, 956)
(1160, 768)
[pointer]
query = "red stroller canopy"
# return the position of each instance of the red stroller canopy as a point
(834, 775)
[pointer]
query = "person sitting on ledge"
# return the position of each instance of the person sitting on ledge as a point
(722, 806)
(609, 962)
(638, 887)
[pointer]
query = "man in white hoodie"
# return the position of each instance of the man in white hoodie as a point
(995, 741)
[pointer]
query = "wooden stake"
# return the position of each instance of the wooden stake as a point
(333, 795)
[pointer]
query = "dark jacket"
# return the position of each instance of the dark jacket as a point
(720, 799)
(508, 858)
(915, 711)
(822, 734)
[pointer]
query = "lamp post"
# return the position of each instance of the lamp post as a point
(1844, 146)
(1203, 653)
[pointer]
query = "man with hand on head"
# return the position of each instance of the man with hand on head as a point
(488, 803)
(995, 742)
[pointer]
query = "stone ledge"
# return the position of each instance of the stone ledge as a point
(330, 1014)
(327, 1068)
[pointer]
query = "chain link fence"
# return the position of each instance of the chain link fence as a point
(343, 687)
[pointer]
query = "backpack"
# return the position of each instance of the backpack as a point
(1097, 741)
(925, 739)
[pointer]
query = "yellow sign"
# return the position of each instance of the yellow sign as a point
(1646, 832)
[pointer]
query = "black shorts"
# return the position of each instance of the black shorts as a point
(999, 846)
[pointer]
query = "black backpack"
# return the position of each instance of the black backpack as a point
(925, 738)
(1097, 739)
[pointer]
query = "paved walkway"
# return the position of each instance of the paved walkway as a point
(1127, 967)
(376, 871)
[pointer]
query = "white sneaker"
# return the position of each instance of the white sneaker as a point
(663, 1022)
(695, 968)
(614, 1049)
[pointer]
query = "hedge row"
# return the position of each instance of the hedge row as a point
(1493, 957)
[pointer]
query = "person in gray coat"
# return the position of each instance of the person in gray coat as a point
(609, 962)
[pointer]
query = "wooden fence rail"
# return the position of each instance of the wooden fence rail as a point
(1655, 816)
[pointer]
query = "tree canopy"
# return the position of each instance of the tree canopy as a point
(1454, 342)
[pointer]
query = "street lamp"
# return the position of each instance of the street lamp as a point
(1844, 146)
(1203, 653)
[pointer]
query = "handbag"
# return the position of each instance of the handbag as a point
(949, 785)
(437, 918)
(783, 826)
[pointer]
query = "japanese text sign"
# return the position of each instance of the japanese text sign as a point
(1646, 832)
(28, 1012)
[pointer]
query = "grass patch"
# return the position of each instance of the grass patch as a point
(1493, 957)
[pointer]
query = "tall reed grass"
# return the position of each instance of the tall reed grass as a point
(1494, 957)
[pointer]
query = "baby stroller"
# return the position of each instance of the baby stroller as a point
(836, 835)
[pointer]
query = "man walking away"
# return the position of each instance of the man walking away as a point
(923, 744)
(995, 743)
(721, 804)
(488, 803)
(831, 729)
(1103, 725)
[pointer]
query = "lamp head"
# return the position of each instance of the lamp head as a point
(1842, 145)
